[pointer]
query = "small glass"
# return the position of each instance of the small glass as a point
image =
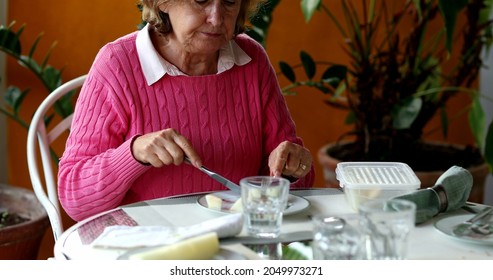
(338, 238)
(388, 224)
(264, 199)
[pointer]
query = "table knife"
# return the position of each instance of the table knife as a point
(225, 182)
(283, 238)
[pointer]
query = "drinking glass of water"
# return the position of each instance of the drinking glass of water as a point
(264, 199)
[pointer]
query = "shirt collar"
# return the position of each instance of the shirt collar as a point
(155, 67)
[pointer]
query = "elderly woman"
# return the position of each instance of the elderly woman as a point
(188, 84)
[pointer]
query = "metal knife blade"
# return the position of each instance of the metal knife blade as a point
(225, 182)
(283, 238)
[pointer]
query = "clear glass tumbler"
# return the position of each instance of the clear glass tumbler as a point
(388, 224)
(264, 199)
(337, 238)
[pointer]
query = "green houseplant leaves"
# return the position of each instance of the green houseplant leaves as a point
(50, 77)
(10, 43)
(394, 84)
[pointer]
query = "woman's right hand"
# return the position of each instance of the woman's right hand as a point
(164, 147)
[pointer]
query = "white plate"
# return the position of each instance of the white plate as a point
(447, 224)
(296, 204)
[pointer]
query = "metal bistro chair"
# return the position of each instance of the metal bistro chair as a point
(39, 139)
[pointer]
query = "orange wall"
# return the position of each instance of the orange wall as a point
(82, 27)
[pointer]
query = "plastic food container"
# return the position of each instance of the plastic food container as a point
(362, 181)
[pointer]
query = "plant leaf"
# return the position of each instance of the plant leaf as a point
(485, 13)
(13, 98)
(9, 41)
(47, 56)
(64, 106)
(449, 10)
(308, 64)
(256, 35)
(262, 21)
(26, 61)
(444, 122)
(417, 4)
(289, 253)
(35, 45)
(350, 118)
(333, 82)
(477, 122)
(406, 112)
(308, 7)
(287, 71)
(48, 118)
(484, 17)
(334, 75)
(322, 88)
(488, 151)
(51, 77)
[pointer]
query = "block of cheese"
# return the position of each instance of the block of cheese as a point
(237, 207)
(202, 247)
(213, 202)
(254, 194)
(273, 192)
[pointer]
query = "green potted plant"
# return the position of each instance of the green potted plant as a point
(50, 77)
(396, 81)
(23, 220)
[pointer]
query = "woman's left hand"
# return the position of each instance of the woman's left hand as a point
(290, 159)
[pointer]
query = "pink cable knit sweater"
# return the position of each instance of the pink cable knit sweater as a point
(233, 119)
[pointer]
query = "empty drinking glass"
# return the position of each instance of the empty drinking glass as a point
(337, 238)
(388, 224)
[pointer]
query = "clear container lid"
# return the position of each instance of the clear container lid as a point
(367, 175)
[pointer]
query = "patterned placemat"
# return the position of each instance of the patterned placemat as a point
(92, 229)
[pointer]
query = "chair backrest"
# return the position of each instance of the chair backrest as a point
(39, 140)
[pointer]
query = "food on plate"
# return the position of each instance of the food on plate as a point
(237, 207)
(233, 205)
(202, 247)
(273, 192)
(254, 194)
(213, 202)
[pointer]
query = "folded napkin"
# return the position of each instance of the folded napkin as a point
(450, 192)
(131, 237)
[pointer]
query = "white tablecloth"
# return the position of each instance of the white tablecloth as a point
(426, 242)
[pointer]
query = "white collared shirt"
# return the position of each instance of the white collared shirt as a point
(154, 66)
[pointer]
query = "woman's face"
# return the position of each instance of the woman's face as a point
(202, 26)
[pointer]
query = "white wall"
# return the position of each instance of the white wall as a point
(486, 86)
(3, 130)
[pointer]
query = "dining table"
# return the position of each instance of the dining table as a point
(427, 241)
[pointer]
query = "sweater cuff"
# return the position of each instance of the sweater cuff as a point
(130, 149)
(126, 158)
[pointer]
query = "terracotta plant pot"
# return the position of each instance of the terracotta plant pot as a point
(427, 179)
(22, 241)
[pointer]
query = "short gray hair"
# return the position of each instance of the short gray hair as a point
(160, 20)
